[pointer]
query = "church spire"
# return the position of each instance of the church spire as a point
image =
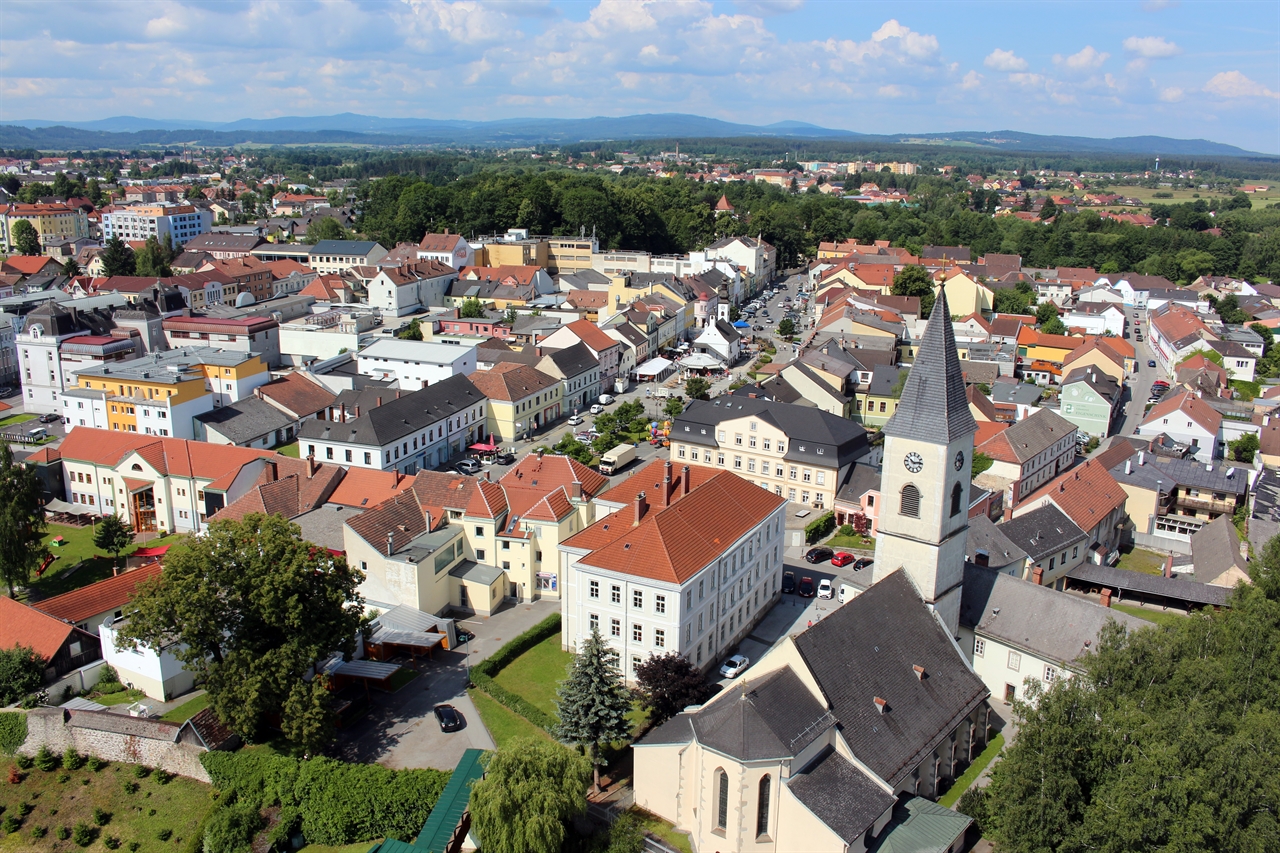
(933, 406)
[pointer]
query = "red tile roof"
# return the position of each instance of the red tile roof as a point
(1187, 404)
(21, 625)
(296, 394)
(534, 472)
(438, 242)
(287, 487)
(1028, 336)
(511, 382)
(364, 487)
(101, 597)
(592, 335)
(1086, 494)
(27, 264)
(176, 456)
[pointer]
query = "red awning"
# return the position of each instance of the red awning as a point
(150, 552)
(489, 446)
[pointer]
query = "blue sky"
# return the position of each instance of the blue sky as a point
(1115, 68)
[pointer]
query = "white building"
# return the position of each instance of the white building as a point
(411, 288)
(722, 339)
(1097, 318)
(158, 674)
(451, 250)
(54, 343)
(415, 364)
(1188, 420)
(324, 336)
(166, 221)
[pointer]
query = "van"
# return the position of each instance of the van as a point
(37, 433)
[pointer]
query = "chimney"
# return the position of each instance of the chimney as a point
(399, 477)
(684, 481)
(575, 490)
(397, 393)
(919, 671)
(881, 705)
(666, 491)
(312, 467)
(391, 538)
(1168, 566)
(640, 505)
(1106, 598)
(1128, 466)
(1142, 457)
(537, 351)
(379, 399)
(1037, 576)
(357, 411)
(540, 452)
(342, 409)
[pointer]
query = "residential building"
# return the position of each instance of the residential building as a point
(103, 601)
(250, 275)
(53, 223)
(336, 256)
(299, 395)
(1014, 401)
(61, 645)
(1170, 499)
(1091, 400)
(797, 452)
(690, 564)
(875, 404)
(606, 350)
(570, 254)
(1096, 318)
(411, 288)
(578, 371)
(1216, 558)
(1174, 333)
(168, 222)
(1134, 288)
(756, 257)
(1035, 346)
(246, 423)
(502, 286)
(415, 364)
(1238, 361)
(414, 430)
(967, 295)
(1188, 420)
(1104, 355)
(55, 343)
(1093, 500)
(158, 674)
(860, 496)
(522, 400)
(1052, 543)
(1027, 455)
(448, 249)
(223, 246)
(257, 335)
(515, 248)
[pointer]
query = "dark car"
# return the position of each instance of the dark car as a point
(1151, 362)
(789, 582)
(464, 635)
(50, 418)
(818, 555)
(468, 466)
(505, 458)
(806, 588)
(448, 717)
(861, 563)
(6, 391)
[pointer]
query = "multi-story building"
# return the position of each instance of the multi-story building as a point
(53, 222)
(605, 349)
(1090, 497)
(55, 342)
(409, 288)
(578, 371)
(336, 256)
(522, 399)
(689, 563)
(221, 245)
(416, 430)
(166, 221)
(414, 364)
(570, 254)
(448, 249)
(258, 335)
(250, 275)
(1090, 399)
(1028, 454)
(798, 453)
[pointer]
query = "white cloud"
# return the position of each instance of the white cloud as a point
(163, 27)
(1005, 60)
(913, 43)
(1151, 47)
(1233, 84)
(972, 80)
(1086, 60)
(890, 91)
(768, 8)
(1030, 81)
(1171, 94)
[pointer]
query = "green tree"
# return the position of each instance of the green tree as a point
(25, 238)
(150, 260)
(1049, 210)
(574, 449)
(593, 702)
(1045, 312)
(325, 228)
(252, 608)
(786, 328)
(1012, 302)
(981, 462)
(117, 258)
(21, 522)
(510, 317)
(530, 789)
(697, 388)
(1244, 447)
(471, 309)
(112, 535)
(915, 281)
(1054, 327)
(674, 408)
(413, 332)
(70, 268)
(668, 684)
(1228, 308)
(21, 672)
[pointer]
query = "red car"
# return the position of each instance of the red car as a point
(806, 588)
(842, 558)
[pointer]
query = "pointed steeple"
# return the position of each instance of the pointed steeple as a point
(933, 406)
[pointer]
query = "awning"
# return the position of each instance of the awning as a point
(700, 361)
(150, 552)
(489, 447)
(137, 485)
(416, 639)
(56, 505)
(654, 367)
(371, 670)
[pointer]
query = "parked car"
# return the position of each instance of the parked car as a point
(806, 587)
(734, 666)
(506, 457)
(825, 590)
(6, 391)
(842, 558)
(597, 409)
(789, 582)
(606, 399)
(50, 418)
(1151, 362)
(448, 717)
(861, 563)
(468, 466)
(574, 420)
(757, 328)
(819, 554)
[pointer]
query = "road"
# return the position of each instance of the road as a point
(1139, 384)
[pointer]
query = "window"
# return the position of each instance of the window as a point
(479, 530)
(956, 494)
(479, 555)
(637, 599)
(791, 494)
(722, 799)
(1075, 552)
(594, 620)
(1015, 661)
(910, 501)
(328, 452)
(791, 473)
(637, 633)
(660, 638)
(822, 478)
(979, 647)
(615, 627)
(1050, 673)
(348, 455)
(762, 807)
(680, 451)
(615, 594)
(737, 439)
(883, 405)
(594, 589)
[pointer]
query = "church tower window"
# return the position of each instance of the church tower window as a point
(910, 504)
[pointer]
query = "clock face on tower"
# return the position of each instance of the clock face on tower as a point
(914, 462)
(959, 460)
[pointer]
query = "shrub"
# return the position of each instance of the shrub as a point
(82, 835)
(13, 731)
(163, 776)
(34, 700)
(973, 803)
(21, 671)
(25, 809)
(25, 762)
(130, 787)
(846, 530)
(134, 845)
(111, 842)
(94, 763)
(10, 824)
(100, 817)
(483, 673)
(141, 770)
(164, 834)
(14, 775)
(63, 833)
(64, 778)
(819, 527)
(71, 759)
(39, 831)
(232, 829)
(85, 781)
(46, 759)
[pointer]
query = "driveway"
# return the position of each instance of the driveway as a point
(400, 730)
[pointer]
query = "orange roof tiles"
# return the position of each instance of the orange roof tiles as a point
(591, 335)
(511, 381)
(25, 626)
(547, 471)
(287, 487)
(101, 597)
(1190, 405)
(1086, 494)
(363, 487)
(27, 264)
(296, 394)
(988, 430)
(1028, 336)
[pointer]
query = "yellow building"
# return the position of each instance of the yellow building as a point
(968, 296)
(516, 253)
(570, 254)
(522, 399)
(51, 221)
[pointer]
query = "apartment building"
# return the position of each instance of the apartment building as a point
(414, 364)
(1028, 454)
(258, 335)
(448, 249)
(56, 342)
(410, 288)
(796, 452)
(166, 221)
(53, 222)
(337, 256)
(522, 399)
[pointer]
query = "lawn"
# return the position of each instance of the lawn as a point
(78, 545)
(504, 725)
(1141, 560)
(1164, 618)
(16, 419)
(537, 673)
(187, 710)
(124, 697)
(290, 449)
(854, 542)
(971, 773)
(659, 827)
(177, 805)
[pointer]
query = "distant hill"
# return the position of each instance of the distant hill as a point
(352, 128)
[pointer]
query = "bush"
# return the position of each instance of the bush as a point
(71, 759)
(232, 829)
(134, 845)
(15, 776)
(21, 672)
(64, 778)
(82, 835)
(63, 833)
(13, 731)
(39, 831)
(819, 527)
(10, 824)
(130, 787)
(483, 673)
(164, 834)
(111, 842)
(288, 823)
(973, 803)
(46, 759)
(94, 763)
(846, 530)
(25, 809)
(25, 762)
(100, 817)
(141, 770)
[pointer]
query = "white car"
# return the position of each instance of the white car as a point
(606, 399)
(596, 409)
(574, 420)
(735, 666)
(824, 589)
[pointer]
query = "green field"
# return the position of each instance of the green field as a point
(1141, 560)
(290, 449)
(178, 805)
(1180, 196)
(78, 545)
(537, 673)
(16, 419)
(504, 725)
(1165, 618)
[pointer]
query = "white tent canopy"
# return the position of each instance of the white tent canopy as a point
(653, 368)
(700, 361)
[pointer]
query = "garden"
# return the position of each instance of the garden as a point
(78, 561)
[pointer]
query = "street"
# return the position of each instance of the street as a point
(1139, 384)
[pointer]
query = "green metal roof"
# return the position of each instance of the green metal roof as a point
(917, 826)
(453, 801)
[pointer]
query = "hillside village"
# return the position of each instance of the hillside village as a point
(876, 498)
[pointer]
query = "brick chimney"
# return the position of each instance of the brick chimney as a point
(1037, 576)
(919, 671)
(881, 705)
(1168, 566)
(640, 506)
(1106, 598)
(312, 467)
(379, 399)
(684, 481)
(575, 490)
(357, 411)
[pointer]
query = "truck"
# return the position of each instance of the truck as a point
(617, 459)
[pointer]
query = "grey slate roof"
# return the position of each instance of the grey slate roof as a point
(809, 431)
(868, 648)
(1190, 592)
(1025, 393)
(1042, 532)
(864, 478)
(1037, 432)
(774, 717)
(986, 535)
(573, 360)
(933, 407)
(1050, 624)
(245, 420)
(1216, 549)
(1102, 384)
(840, 795)
(678, 729)
(1184, 473)
(397, 418)
(883, 379)
(342, 247)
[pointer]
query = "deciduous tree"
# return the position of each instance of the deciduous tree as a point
(21, 522)
(915, 281)
(112, 535)
(668, 684)
(25, 238)
(531, 788)
(21, 672)
(697, 388)
(593, 702)
(471, 309)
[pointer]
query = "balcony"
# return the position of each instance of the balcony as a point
(1206, 504)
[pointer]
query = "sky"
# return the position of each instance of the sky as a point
(1106, 68)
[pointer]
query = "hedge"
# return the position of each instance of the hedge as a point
(819, 527)
(483, 673)
(339, 803)
(13, 731)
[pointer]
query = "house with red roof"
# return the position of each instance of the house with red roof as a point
(29, 265)
(1093, 500)
(90, 606)
(63, 646)
(1188, 420)
(606, 350)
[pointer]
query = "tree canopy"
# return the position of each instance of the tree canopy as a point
(529, 791)
(668, 684)
(21, 522)
(112, 535)
(254, 607)
(25, 237)
(592, 702)
(117, 258)
(915, 281)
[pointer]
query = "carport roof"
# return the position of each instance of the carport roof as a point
(444, 818)
(469, 570)
(407, 638)
(366, 669)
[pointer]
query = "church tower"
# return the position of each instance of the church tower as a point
(924, 485)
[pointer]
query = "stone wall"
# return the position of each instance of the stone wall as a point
(113, 737)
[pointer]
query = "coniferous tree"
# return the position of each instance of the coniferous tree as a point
(21, 522)
(117, 258)
(593, 702)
